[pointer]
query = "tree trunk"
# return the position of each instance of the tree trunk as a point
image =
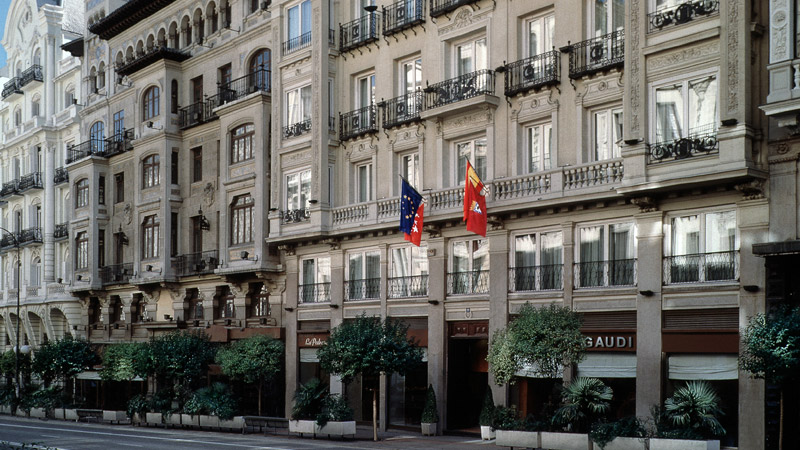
(259, 396)
(780, 424)
(374, 414)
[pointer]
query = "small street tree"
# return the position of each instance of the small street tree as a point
(771, 351)
(369, 346)
(124, 362)
(63, 359)
(254, 360)
(180, 358)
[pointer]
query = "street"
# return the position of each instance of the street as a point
(78, 436)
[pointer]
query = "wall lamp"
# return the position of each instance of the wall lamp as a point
(647, 293)
(288, 309)
(751, 288)
(204, 223)
(152, 127)
(433, 302)
(245, 255)
(149, 268)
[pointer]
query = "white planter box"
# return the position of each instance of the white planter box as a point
(625, 443)
(5, 409)
(70, 414)
(115, 416)
(39, 413)
(303, 427)
(339, 429)
(173, 419)
(209, 421)
(58, 413)
(237, 423)
(429, 429)
(682, 444)
(487, 433)
(565, 441)
(190, 420)
(154, 418)
(513, 438)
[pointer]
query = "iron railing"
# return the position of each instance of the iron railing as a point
(314, 293)
(9, 188)
(258, 81)
(358, 122)
(404, 287)
(8, 241)
(30, 236)
(402, 15)
(296, 43)
(700, 142)
(597, 54)
(403, 109)
(701, 268)
(619, 272)
(296, 215)
(61, 231)
(11, 87)
(196, 263)
(365, 289)
(30, 181)
(469, 282)
(681, 14)
(297, 129)
(536, 278)
(61, 175)
(32, 73)
(195, 114)
(116, 273)
(459, 88)
(441, 7)
(120, 143)
(356, 33)
(532, 73)
(91, 147)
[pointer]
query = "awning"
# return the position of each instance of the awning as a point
(529, 371)
(703, 367)
(608, 365)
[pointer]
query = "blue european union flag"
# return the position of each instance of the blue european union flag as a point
(409, 203)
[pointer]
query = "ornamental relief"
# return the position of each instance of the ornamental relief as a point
(534, 108)
(465, 17)
(683, 57)
(601, 90)
(476, 121)
(406, 138)
(296, 158)
(360, 151)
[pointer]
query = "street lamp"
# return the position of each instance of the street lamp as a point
(17, 347)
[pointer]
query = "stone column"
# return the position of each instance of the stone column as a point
(337, 299)
(568, 277)
(289, 320)
(240, 301)
(209, 298)
(179, 304)
(48, 259)
(498, 297)
(127, 314)
(383, 397)
(437, 324)
(49, 77)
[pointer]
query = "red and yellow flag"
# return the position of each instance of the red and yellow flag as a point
(474, 203)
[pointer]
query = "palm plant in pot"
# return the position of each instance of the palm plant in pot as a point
(430, 414)
(486, 419)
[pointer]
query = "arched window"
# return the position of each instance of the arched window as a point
(150, 167)
(242, 143)
(195, 305)
(242, 219)
(173, 35)
(93, 80)
(199, 25)
(186, 31)
(81, 250)
(213, 17)
(225, 8)
(150, 106)
(227, 306)
(260, 68)
(150, 228)
(101, 76)
(161, 40)
(97, 136)
(37, 57)
(36, 268)
(151, 43)
(17, 117)
(82, 193)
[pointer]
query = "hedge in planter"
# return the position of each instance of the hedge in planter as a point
(254, 360)
(604, 432)
(691, 413)
(586, 400)
(215, 400)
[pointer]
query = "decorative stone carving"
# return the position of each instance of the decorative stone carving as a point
(734, 6)
(751, 190)
(779, 31)
(464, 18)
(634, 66)
(645, 204)
(275, 287)
(361, 150)
(686, 55)
(495, 223)
(127, 213)
(333, 243)
(287, 249)
(208, 194)
(432, 230)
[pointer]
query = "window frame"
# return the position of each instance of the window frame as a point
(605, 273)
(151, 167)
(318, 272)
(615, 146)
(473, 40)
(544, 18)
(609, 20)
(423, 252)
(363, 193)
(151, 103)
(150, 237)
(82, 193)
(702, 214)
(197, 164)
(82, 250)
(288, 201)
(302, 114)
(300, 7)
(460, 175)
(412, 178)
(242, 210)
(242, 140)
(369, 290)
(119, 187)
(684, 80)
(546, 154)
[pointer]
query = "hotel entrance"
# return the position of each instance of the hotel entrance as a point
(467, 374)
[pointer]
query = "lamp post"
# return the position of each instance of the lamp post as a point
(19, 344)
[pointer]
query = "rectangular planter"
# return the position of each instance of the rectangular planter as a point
(58, 413)
(173, 420)
(189, 420)
(339, 429)
(115, 416)
(71, 414)
(682, 444)
(565, 441)
(303, 427)
(429, 429)
(39, 413)
(487, 433)
(513, 438)
(209, 421)
(625, 443)
(154, 418)
(5, 409)
(237, 423)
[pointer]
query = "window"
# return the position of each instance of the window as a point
(540, 33)
(197, 164)
(228, 305)
(173, 235)
(97, 136)
(315, 280)
(101, 76)
(36, 269)
(101, 190)
(702, 247)
(363, 275)
(119, 125)
(469, 267)
(253, 6)
(298, 190)
(150, 166)
(686, 108)
(538, 262)
(119, 187)
(471, 56)
(260, 66)
(539, 147)
(298, 105)
(69, 97)
(607, 16)
(81, 250)
(35, 107)
(173, 168)
(242, 219)
(298, 24)
(606, 255)
(17, 117)
(607, 127)
(411, 76)
(366, 91)
(101, 248)
(242, 143)
(82, 193)
(173, 97)
(150, 228)
(364, 183)
(261, 303)
(150, 107)
(213, 17)
(225, 74)
(410, 170)
(409, 272)
(195, 306)
(475, 152)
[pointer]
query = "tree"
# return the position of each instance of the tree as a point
(585, 401)
(253, 360)
(63, 359)
(771, 351)
(369, 346)
(693, 411)
(543, 339)
(124, 362)
(181, 358)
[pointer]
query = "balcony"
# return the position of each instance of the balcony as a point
(8, 241)
(30, 181)
(596, 55)
(12, 88)
(196, 114)
(700, 142)
(358, 123)
(9, 188)
(469, 282)
(296, 215)
(366, 289)
(441, 7)
(116, 273)
(257, 81)
(536, 278)
(701, 268)
(198, 263)
(356, 33)
(403, 109)
(681, 14)
(402, 15)
(30, 236)
(152, 55)
(531, 73)
(407, 287)
(314, 293)
(459, 88)
(31, 74)
(593, 274)
(297, 129)
(119, 143)
(92, 147)
(61, 176)
(61, 231)
(296, 43)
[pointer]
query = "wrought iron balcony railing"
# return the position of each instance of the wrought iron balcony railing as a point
(61, 175)
(459, 88)
(536, 278)
(30, 181)
(404, 287)
(12, 87)
(297, 129)
(32, 73)
(366, 289)
(61, 231)
(441, 7)
(8, 241)
(91, 147)
(701, 268)
(30, 236)
(356, 33)
(116, 273)
(403, 109)
(196, 263)
(314, 293)
(598, 54)
(681, 14)
(620, 272)
(402, 15)
(296, 43)
(258, 81)
(296, 215)
(120, 143)
(700, 142)
(358, 123)
(196, 114)
(469, 282)
(533, 73)
(9, 188)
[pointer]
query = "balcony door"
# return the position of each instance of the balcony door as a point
(118, 247)
(471, 56)
(197, 89)
(197, 235)
(608, 16)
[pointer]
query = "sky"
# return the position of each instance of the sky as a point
(4, 4)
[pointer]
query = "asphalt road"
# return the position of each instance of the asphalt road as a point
(79, 436)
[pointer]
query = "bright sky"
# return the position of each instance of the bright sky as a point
(4, 4)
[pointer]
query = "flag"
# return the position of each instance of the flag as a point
(410, 200)
(474, 203)
(415, 237)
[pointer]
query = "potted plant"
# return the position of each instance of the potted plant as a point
(486, 419)
(430, 414)
(627, 433)
(585, 400)
(212, 404)
(688, 420)
(514, 432)
(315, 411)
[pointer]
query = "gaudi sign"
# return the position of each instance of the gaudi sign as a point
(611, 342)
